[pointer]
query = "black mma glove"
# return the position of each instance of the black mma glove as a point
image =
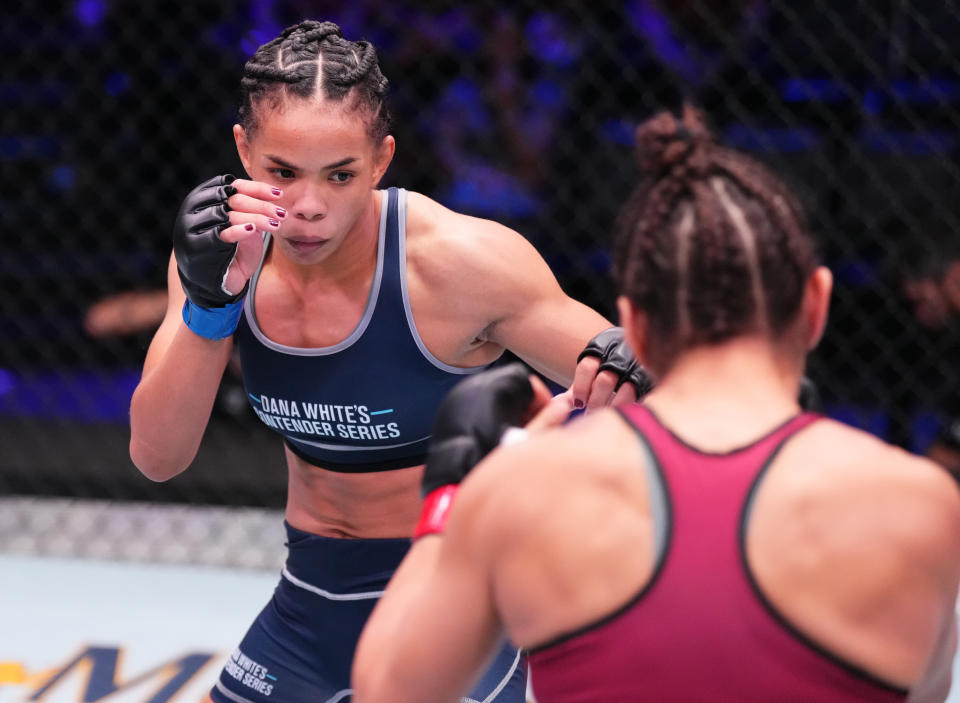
(203, 259)
(615, 355)
(470, 423)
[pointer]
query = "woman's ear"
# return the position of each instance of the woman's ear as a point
(816, 304)
(243, 147)
(635, 325)
(384, 156)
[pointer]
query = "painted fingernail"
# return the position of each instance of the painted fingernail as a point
(578, 403)
(273, 222)
(229, 191)
(276, 191)
(281, 213)
(249, 226)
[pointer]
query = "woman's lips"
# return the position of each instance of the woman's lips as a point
(305, 245)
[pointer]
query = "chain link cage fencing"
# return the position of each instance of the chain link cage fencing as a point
(522, 112)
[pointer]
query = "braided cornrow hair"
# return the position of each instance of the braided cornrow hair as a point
(312, 59)
(711, 244)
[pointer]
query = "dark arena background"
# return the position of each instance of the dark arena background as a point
(522, 112)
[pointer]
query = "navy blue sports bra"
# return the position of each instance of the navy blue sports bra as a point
(368, 402)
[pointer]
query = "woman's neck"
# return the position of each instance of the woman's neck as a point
(744, 383)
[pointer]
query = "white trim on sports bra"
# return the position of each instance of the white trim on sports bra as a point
(349, 448)
(402, 218)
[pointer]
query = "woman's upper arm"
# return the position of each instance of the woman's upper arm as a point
(536, 320)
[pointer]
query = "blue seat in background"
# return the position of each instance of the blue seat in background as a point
(69, 394)
(925, 428)
(874, 420)
(798, 89)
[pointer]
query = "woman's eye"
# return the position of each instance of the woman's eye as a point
(341, 176)
(284, 173)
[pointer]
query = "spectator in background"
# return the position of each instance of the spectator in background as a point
(934, 298)
(125, 313)
(951, 285)
(631, 58)
(695, 41)
(494, 119)
(136, 313)
(926, 292)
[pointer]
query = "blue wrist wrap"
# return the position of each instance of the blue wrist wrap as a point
(212, 323)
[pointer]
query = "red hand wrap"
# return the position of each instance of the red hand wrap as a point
(436, 508)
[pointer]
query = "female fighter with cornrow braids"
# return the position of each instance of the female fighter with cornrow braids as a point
(716, 543)
(354, 311)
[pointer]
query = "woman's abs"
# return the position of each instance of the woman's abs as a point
(378, 505)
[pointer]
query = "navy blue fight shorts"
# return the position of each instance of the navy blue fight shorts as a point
(300, 648)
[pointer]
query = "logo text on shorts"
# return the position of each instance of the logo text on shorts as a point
(249, 673)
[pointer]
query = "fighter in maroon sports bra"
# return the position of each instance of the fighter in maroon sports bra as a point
(716, 543)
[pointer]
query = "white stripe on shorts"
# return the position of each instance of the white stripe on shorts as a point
(231, 695)
(338, 696)
(500, 686)
(368, 595)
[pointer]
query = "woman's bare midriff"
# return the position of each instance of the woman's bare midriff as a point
(376, 505)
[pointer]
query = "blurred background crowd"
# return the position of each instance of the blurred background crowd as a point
(522, 112)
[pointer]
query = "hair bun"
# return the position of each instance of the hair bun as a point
(664, 141)
(311, 31)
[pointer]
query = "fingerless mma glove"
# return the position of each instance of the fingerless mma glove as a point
(615, 355)
(203, 259)
(470, 423)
